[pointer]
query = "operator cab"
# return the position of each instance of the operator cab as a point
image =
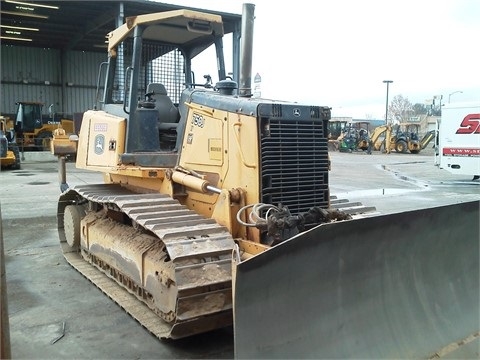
(149, 66)
(29, 116)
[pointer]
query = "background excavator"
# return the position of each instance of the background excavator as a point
(407, 138)
(216, 209)
(400, 138)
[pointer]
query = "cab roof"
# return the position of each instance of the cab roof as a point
(188, 29)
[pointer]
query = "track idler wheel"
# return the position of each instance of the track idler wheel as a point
(71, 223)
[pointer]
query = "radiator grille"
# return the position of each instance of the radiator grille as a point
(294, 163)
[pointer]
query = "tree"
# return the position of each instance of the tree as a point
(420, 109)
(400, 110)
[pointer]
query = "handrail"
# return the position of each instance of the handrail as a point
(200, 109)
(97, 100)
(125, 92)
(237, 140)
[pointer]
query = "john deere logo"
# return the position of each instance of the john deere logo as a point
(99, 144)
(296, 112)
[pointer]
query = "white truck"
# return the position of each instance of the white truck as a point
(458, 139)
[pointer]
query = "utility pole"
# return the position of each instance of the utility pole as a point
(439, 98)
(388, 82)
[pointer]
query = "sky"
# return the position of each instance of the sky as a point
(337, 53)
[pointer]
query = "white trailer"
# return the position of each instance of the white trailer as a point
(458, 139)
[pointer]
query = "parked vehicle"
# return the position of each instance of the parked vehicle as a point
(458, 145)
(215, 210)
(9, 152)
(33, 130)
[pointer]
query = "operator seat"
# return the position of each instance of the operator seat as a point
(168, 115)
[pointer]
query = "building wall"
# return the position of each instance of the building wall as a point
(66, 80)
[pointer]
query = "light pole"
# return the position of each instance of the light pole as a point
(455, 92)
(388, 82)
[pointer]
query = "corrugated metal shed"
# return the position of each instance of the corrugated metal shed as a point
(77, 25)
(35, 74)
(65, 44)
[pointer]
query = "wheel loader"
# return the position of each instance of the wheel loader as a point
(215, 209)
(33, 130)
(9, 151)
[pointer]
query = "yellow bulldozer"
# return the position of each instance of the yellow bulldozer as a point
(216, 210)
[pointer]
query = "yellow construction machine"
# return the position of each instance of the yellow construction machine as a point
(355, 137)
(413, 132)
(389, 138)
(216, 209)
(336, 129)
(381, 138)
(405, 137)
(401, 137)
(33, 130)
(9, 151)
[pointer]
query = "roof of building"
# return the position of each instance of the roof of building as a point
(76, 25)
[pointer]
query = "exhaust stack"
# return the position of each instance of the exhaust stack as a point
(246, 46)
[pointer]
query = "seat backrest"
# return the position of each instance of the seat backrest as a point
(167, 111)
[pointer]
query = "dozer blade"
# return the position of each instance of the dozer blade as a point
(402, 286)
